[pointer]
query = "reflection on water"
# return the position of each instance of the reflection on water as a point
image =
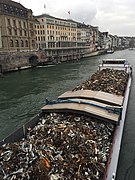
(23, 93)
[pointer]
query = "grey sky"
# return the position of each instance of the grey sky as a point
(115, 16)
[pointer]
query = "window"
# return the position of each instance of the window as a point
(22, 43)
(9, 31)
(14, 23)
(24, 24)
(16, 43)
(9, 23)
(26, 43)
(33, 43)
(11, 43)
(25, 33)
(15, 31)
(11, 9)
(19, 24)
(20, 32)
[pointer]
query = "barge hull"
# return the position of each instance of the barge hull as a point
(115, 151)
(21, 132)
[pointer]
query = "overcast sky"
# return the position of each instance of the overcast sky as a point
(115, 16)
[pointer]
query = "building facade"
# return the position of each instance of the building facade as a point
(58, 38)
(52, 32)
(17, 27)
(64, 38)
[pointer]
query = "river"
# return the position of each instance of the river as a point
(23, 93)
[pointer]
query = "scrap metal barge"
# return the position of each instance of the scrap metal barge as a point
(78, 135)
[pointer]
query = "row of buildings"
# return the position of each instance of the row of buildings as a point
(21, 31)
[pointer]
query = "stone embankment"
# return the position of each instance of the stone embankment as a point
(96, 53)
(13, 61)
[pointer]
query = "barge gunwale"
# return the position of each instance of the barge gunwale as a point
(112, 163)
(116, 146)
(21, 132)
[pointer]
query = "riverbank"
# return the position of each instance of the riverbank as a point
(16, 61)
(96, 53)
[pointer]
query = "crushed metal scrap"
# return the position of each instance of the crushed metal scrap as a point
(107, 80)
(61, 146)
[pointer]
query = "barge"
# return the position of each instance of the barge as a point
(110, 51)
(77, 136)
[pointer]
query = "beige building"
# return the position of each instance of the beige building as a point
(52, 32)
(59, 38)
(87, 36)
(16, 27)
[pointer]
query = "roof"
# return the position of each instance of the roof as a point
(49, 16)
(13, 3)
(44, 15)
